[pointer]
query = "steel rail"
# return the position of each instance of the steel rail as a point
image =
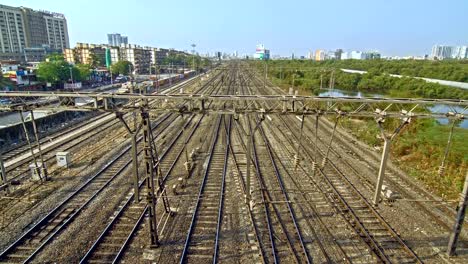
(263, 202)
(20, 149)
(241, 177)
(57, 209)
(311, 205)
(261, 184)
(67, 144)
(89, 131)
(106, 230)
(442, 209)
(200, 192)
(375, 246)
(183, 257)
(284, 193)
(222, 192)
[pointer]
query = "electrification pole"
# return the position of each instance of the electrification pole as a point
(3, 172)
(150, 177)
(453, 241)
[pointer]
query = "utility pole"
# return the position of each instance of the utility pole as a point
(385, 153)
(71, 75)
(3, 172)
(193, 53)
(134, 135)
(150, 173)
(43, 166)
(453, 241)
(36, 167)
(447, 148)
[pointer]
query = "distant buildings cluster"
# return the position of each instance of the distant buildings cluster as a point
(142, 58)
(261, 53)
(442, 52)
(28, 35)
(339, 54)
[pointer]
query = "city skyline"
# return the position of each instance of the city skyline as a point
(284, 29)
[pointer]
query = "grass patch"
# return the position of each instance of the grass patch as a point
(419, 151)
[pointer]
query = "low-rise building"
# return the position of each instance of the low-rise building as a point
(90, 54)
(69, 56)
(139, 57)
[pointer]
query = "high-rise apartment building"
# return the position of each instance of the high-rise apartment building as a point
(45, 28)
(22, 27)
(442, 52)
(460, 52)
(116, 39)
(12, 33)
(320, 55)
(261, 53)
(57, 31)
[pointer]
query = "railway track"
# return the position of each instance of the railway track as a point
(402, 185)
(202, 237)
(38, 236)
(115, 238)
(395, 179)
(367, 222)
(21, 149)
(20, 170)
(359, 213)
(335, 242)
(298, 213)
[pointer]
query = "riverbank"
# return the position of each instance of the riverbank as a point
(418, 149)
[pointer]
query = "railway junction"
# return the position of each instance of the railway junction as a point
(224, 167)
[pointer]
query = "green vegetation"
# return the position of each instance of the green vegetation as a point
(4, 82)
(84, 71)
(419, 151)
(56, 70)
(95, 61)
(452, 70)
(420, 147)
(308, 75)
(121, 67)
(191, 61)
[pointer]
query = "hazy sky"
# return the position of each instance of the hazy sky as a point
(394, 27)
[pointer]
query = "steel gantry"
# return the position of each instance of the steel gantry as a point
(231, 104)
(380, 109)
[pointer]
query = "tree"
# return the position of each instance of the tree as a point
(54, 70)
(4, 82)
(84, 71)
(95, 61)
(121, 67)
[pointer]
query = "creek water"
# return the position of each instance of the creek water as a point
(436, 108)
